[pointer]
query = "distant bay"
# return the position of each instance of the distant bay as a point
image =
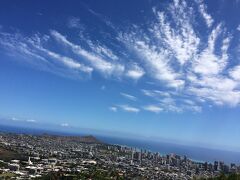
(195, 153)
(192, 152)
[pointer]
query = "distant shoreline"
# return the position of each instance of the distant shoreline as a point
(194, 153)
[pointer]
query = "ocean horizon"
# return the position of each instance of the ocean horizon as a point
(199, 154)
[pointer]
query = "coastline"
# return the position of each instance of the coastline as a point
(197, 154)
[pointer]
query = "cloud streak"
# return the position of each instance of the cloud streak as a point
(95, 60)
(64, 125)
(128, 96)
(32, 50)
(128, 108)
(153, 108)
(207, 17)
(113, 109)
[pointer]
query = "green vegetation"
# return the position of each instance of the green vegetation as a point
(7, 175)
(8, 155)
(225, 177)
(3, 164)
(92, 174)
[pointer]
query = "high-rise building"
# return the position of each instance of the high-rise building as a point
(215, 165)
(140, 157)
(132, 158)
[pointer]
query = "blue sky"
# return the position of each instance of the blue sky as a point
(158, 69)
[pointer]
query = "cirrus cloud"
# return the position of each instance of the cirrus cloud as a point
(189, 66)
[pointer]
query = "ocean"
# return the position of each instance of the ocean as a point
(199, 154)
(195, 153)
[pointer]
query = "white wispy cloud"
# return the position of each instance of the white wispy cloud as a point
(135, 72)
(189, 102)
(207, 17)
(207, 62)
(153, 108)
(219, 97)
(156, 93)
(128, 108)
(31, 50)
(167, 101)
(31, 120)
(14, 119)
(238, 28)
(74, 22)
(113, 108)
(210, 83)
(182, 40)
(16, 44)
(23, 120)
(158, 65)
(67, 61)
(64, 125)
(128, 96)
(96, 61)
(235, 73)
(187, 67)
(102, 51)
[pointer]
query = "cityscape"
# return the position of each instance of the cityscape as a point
(25, 156)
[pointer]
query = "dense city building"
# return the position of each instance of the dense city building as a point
(37, 156)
